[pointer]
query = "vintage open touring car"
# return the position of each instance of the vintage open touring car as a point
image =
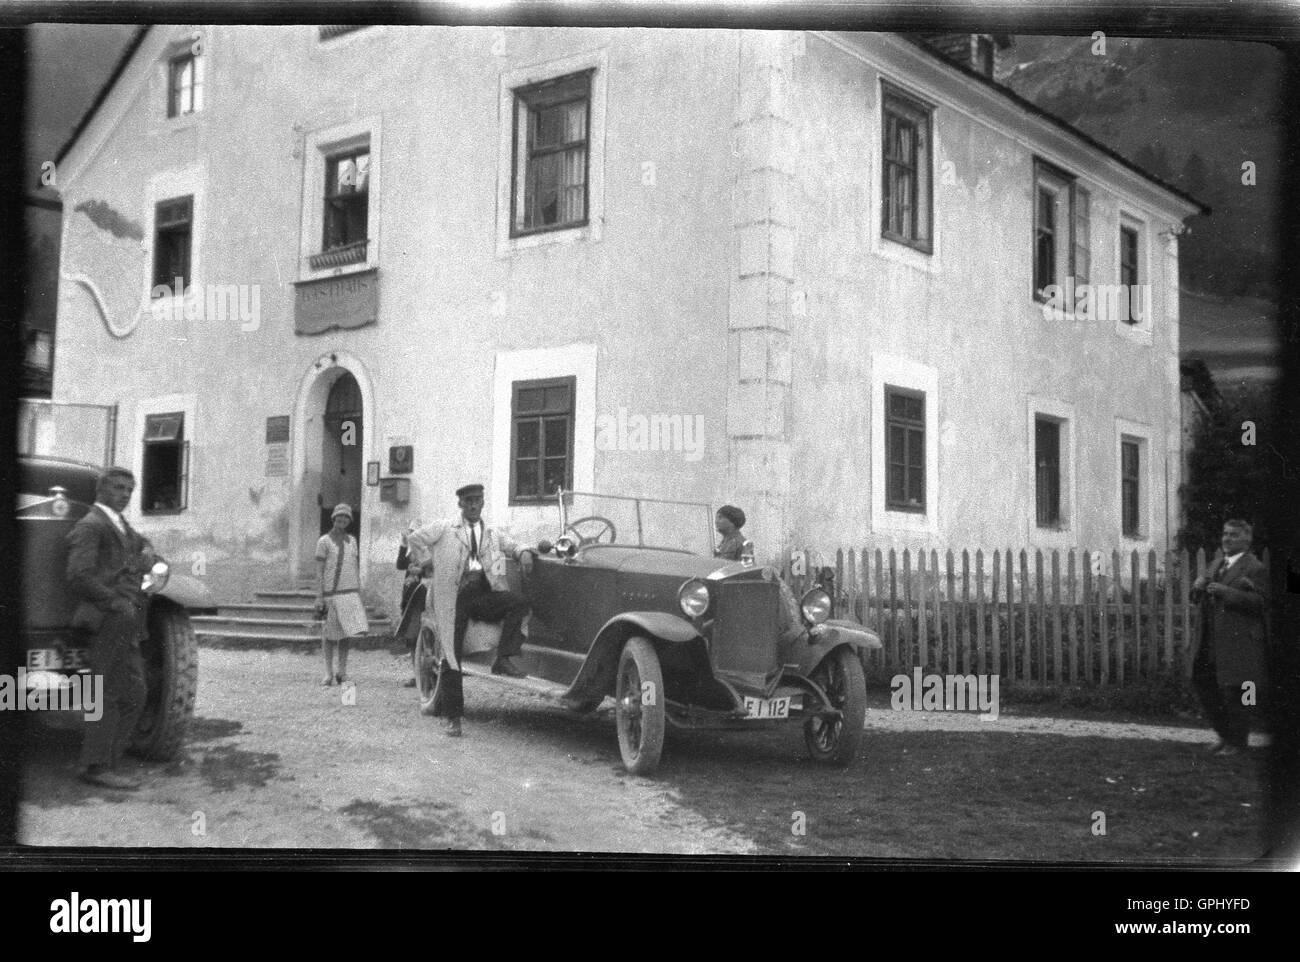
(628, 602)
(54, 495)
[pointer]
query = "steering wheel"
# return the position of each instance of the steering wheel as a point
(601, 525)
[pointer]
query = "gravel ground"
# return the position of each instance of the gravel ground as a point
(275, 760)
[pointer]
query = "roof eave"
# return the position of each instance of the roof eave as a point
(1028, 105)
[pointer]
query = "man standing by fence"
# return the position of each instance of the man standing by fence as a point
(1230, 660)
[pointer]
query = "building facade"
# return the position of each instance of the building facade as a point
(837, 279)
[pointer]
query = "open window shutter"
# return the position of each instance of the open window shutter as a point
(183, 489)
(1082, 266)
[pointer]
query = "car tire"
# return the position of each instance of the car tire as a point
(426, 669)
(836, 742)
(639, 706)
(171, 672)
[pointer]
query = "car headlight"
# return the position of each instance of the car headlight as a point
(694, 598)
(815, 605)
(155, 579)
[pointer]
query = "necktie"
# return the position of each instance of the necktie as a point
(473, 541)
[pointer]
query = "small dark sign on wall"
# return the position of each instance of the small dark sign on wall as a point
(401, 459)
(277, 429)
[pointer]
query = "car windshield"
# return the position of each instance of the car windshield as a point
(639, 522)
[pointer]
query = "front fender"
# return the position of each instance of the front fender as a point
(826, 637)
(596, 677)
(189, 593)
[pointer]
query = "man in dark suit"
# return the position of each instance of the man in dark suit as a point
(1232, 647)
(106, 560)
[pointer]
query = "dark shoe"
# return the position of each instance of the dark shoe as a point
(451, 727)
(502, 666)
(110, 779)
(409, 683)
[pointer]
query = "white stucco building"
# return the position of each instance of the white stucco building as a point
(824, 257)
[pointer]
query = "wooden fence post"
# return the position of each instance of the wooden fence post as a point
(1088, 662)
(1026, 655)
(981, 665)
(994, 627)
(893, 603)
(1072, 612)
(1056, 616)
(1040, 616)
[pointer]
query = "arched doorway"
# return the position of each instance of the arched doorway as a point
(342, 461)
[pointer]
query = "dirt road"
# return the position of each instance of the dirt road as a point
(275, 760)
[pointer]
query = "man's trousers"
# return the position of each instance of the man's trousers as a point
(115, 656)
(478, 602)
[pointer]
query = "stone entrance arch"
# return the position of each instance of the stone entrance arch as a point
(310, 420)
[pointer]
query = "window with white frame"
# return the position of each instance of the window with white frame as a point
(1061, 228)
(340, 199)
(552, 123)
(906, 189)
(1047, 472)
(1134, 307)
(185, 82)
(347, 205)
(164, 484)
(1133, 457)
(173, 236)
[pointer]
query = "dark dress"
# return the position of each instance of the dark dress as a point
(730, 547)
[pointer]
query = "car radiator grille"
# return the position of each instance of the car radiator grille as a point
(745, 628)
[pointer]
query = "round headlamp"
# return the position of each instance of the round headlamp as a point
(694, 598)
(155, 579)
(815, 606)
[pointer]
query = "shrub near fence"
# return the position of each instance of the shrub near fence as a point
(1035, 619)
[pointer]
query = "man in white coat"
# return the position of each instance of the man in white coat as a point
(468, 582)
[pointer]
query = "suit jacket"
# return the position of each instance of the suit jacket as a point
(447, 545)
(104, 564)
(1233, 624)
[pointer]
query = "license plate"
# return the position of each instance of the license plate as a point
(50, 659)
(767, 707)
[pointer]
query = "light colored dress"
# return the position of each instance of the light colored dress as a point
(345, 615)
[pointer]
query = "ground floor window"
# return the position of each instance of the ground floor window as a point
(164, 485)
(541, 438)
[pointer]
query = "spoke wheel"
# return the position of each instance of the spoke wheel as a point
(426, 669)
(639, 709)
(835, 741)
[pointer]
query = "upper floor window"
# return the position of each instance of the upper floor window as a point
(173, 229)
(906, 194)
(541, 438)
(904, 450)
(347, 206)
(185, 84)
(1061, 226)
(1130, 275)
(551, 148)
